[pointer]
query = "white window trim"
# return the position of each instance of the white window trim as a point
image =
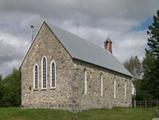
(42, 72)
(133, 89)
(125, 95)
(51, 74)
(34, 76)
(101, 82)
(114, 88)
(85, 82)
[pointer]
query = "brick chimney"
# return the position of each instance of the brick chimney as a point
(108, 44)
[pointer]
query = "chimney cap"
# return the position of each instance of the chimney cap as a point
(108, 39)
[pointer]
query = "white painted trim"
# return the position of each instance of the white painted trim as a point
(85, 82)
(101, 85)
(34, 76)
(42, 72)
(114, 88)
(133, 89)
(51, 74)
(125, 90)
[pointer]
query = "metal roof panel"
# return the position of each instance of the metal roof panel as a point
(86, 51)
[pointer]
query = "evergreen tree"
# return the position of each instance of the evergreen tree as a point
(153, 40)
(151, 62)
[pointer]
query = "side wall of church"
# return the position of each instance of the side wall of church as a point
(94, 98)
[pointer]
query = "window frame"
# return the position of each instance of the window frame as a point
(34, 77)
(52, 87)
(125, 90)
(101, 84)
(42, 72)
(115, 84)
(85, 82)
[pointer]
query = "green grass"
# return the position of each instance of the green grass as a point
(96, 114)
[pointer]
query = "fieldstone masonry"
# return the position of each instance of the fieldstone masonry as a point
(69, 91)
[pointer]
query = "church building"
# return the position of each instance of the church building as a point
(64, 71)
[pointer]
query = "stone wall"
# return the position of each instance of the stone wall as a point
(46, 44)
(93, 99)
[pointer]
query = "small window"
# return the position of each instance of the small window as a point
(53, 75)
(85, 82)
(44, 73)
(114, 88)
(35, 77)
(125, 90)
(101, 85)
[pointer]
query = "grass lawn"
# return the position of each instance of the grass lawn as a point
(96, 114)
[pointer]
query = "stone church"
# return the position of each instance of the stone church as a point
(64, 71)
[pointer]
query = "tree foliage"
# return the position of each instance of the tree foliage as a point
(134, 66)
(1, 92)
(153, 40)
(11, 89)
(151, 61)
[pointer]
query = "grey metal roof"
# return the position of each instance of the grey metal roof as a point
(83, 50)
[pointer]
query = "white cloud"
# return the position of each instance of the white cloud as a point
(12, 49)
(92, 20)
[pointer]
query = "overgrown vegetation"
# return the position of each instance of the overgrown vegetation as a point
(10, 89)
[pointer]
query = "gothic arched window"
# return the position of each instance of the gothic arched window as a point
(44, 73)
(101, 84)
(85, 82)
(53, 74)
(36, 77)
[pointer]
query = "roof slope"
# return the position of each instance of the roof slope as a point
(83, 50)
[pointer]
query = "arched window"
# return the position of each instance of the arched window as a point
(114, 88)
(85, 82)
(125, 90)
(36, 77)
(101, 85)
(44, 73)
(53, 74)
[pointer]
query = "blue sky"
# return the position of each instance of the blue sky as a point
(143, 25)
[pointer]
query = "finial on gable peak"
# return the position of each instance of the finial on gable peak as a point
(44, 22)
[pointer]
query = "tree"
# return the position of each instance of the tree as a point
(134, 66)
(151, 61)
(153, 40)
(11, 85)
(1, 91)
(150, 81)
